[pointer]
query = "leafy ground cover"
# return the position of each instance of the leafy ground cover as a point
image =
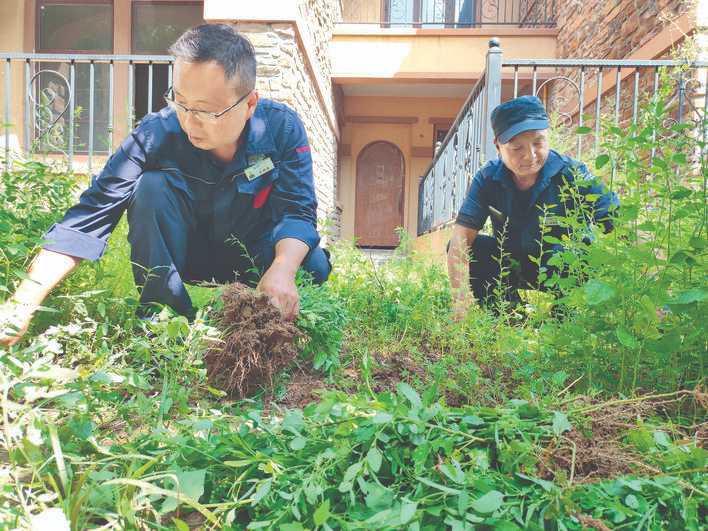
(390, 415)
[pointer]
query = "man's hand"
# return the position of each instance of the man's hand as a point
(279, 284)
(15, 318)
(46, 271)
(279, 281)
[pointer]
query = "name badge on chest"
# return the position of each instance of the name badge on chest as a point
(258, 167)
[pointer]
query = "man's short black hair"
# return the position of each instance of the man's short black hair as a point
(222, 44)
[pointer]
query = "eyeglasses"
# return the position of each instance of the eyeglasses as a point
(202, 116)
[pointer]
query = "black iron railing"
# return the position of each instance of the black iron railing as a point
(454, 13)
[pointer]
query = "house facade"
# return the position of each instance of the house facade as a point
(378, 83)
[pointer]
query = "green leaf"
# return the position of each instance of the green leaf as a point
(259, 525)
(262, 491)
(488, 503)
(602, 160)
(438, 486)
(180, 525)
(584, 130)
(679, 158)
(408, 510)
(374, 458)
(177, 327)
(190, 483)
(661, 163)
(690, 296)
(378, 498)
(352, 471)
(544, 484)
(453, 472)
(560, 423)
(626, 338)
(597, 292)
(631, 501)
(410, 393)
(697, 243)
(322, 513)
(662, 439)
(298, 443)
(473, 420)
(382, 418)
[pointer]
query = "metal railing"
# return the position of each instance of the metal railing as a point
(468, 143)
(72, 104)
(453, 13)
(577, 93)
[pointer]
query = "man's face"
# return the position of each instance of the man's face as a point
(526, 153)
(204, 87)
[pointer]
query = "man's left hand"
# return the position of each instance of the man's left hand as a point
(279, 284)
(279, 281)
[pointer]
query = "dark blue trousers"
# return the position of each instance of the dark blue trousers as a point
(485, 271)
(170, 246)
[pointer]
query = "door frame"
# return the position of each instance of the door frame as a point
(404, 181)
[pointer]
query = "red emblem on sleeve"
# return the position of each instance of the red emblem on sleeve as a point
(302, 149)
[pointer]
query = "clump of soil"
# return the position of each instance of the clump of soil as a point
(599, 451)
(394, 367)
(302, 389)
(602, 454)
(256, 343)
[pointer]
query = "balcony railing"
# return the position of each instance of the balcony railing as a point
(77, 104)
(577, 93)
(451, 13)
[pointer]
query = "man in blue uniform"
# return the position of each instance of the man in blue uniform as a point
(217, 182)
(528, 186)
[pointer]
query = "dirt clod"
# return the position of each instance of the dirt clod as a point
(600, 451)
(302, 389)
(256, 343)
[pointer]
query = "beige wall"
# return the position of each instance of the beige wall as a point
(433, 54)
(361, 10)
(12, 23)
(434, 244)
(410, 138)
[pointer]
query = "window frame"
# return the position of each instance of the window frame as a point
(168, 3)
(38, 34)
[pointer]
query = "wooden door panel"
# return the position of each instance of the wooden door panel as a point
(380, 179)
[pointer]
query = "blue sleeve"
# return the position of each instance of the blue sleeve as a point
(293, 197)
(475, 208)
(85, 228)
(604, 202)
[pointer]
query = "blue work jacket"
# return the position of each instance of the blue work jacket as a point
(518, 217)
(279, 204)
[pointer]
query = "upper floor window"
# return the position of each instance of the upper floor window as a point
(71, 26)
(157, 25)
(430, 13)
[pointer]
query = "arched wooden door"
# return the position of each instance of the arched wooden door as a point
(380, 174)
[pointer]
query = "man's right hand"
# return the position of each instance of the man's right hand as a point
(15, 318)
(46, 271)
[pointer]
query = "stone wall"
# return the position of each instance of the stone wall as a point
(599, 29)
(594, 29)
(294, 68)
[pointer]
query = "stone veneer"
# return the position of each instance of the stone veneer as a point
(286, 75)
(599, 29)
(596, 29)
